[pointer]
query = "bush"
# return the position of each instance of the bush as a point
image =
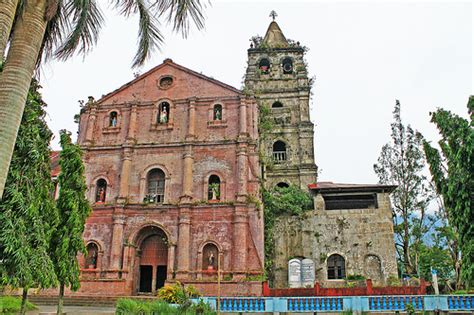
(177, 293)
(355, 277)
(12, 305)
(137, 307)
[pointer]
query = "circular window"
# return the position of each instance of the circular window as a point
(166, 82)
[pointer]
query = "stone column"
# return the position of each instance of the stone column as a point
(242, 167)
(90, 126)
(188, 159)
(125, 174)
(117, 238)
(132, 127)
(240, 223)
(191, 119)
(184, 229)
(242, 117)
(171, 260)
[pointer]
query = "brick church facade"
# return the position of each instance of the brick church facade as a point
(174, 162)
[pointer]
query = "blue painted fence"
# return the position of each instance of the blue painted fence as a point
(346, 303)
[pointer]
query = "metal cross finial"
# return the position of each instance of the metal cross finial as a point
(273, 15)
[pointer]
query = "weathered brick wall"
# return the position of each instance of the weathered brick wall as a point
(188, 149)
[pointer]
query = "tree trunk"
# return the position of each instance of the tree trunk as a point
(60, 299)
(23, 301)
(16, 78)
(7, 15)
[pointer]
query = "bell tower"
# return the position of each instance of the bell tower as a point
(277, 76)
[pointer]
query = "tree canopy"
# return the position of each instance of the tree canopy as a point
(452, 170)
(27, 211)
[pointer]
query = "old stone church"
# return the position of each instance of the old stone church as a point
(173, 169)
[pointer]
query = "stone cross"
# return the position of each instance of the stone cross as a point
(273, 15)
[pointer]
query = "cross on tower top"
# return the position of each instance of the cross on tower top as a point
(273, 15)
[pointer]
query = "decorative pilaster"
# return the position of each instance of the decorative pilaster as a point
(132, 127)
(242, 117)
(240, 224)
(242, 167)
(117, 238)
(184, 236)
(190, 135)
(188, 160)
(90, 126)
(125, 174)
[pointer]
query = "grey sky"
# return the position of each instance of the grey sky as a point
(364, 56)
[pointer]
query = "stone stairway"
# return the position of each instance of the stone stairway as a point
(105, 301)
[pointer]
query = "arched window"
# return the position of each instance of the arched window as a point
(277, 105)
(336, 267)
(214, 188)
(217, 113)
(92, 256)
(163, 113)
(113, 119)
(100, 190)
(287, 65)
(264, 65)
(210, 255)
(279, 151)
(155, 186)
(283, 185)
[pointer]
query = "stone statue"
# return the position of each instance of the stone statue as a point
(163, 116)
(101, 194)
(210, 260)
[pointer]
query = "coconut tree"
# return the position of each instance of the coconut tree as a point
(33, 29)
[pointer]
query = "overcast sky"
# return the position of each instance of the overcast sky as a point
(364, 55)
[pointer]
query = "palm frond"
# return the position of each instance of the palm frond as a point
(179, 12)
(56, 30)
(149, 35)
(84, 22)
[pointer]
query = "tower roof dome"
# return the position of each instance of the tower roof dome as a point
(274, 37)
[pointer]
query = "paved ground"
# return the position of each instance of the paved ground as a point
(73, 310)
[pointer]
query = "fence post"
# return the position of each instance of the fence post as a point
(369, 289)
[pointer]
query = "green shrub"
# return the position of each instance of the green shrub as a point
(12, 305)
(177, 293)
(137, 307)
(355, 277)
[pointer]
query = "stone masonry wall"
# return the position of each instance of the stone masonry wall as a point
(364, 237)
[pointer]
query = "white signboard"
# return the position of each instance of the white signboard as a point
(307, 273)
(294, 273)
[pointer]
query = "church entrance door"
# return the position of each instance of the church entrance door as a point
(152, 261)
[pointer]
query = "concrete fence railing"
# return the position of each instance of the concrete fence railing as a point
(344, 303)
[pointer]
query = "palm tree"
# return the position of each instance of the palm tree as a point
(36, 29)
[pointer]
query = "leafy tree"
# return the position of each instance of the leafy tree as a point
(452, 171)
(27, 212)
(401, 163)
(280, 201)
(73, 209)
(46, 28)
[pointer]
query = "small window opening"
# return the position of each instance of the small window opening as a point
(336, 267)
(277, 105)
(279, 151)
(264, 65)
(283, 185)
(113, 119)
(210, 254)
(166, 82)
(92, 255)
(156, 186)
(100, 190)
(350, 201)
(214, 188)
(164, 113)
(217, 112)
(287, 65)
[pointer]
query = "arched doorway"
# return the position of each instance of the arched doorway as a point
(152, 259)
